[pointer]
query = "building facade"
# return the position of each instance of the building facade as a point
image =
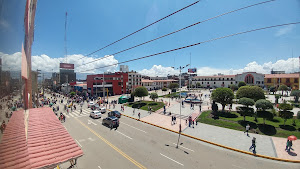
(250, 78)
(157, 84)
(290, 80)
(66, 73)
(114, 84)
(214, 81)
(134, 81)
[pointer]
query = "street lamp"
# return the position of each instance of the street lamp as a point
(180, 68)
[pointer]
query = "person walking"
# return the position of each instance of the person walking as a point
(253, 145)
(289, 145)
(175, 120)
(139, 115)
(247, 129)
(193, 123)
(200, 107)
(172, 120)
(133, 112)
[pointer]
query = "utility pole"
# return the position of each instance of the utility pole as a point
(38, 93)
(180, 68)
(67, 83)
(43, 85)
(103, 87)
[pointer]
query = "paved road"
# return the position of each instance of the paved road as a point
(138, 145)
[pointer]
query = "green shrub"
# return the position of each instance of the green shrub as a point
(298, 115)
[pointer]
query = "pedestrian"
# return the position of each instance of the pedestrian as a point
(175, 120)
(139, 115)
(253, 145)
(287, 145)
(80, 110)
(185, 121)
(193, 123)
(247, 129)
(172, 120)
(133, 111)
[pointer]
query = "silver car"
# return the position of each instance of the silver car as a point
(95, 114)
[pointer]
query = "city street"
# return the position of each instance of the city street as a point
(138, 145)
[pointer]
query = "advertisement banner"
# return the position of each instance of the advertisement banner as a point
(66, 66)
(192, 70)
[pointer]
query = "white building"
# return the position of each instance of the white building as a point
(124, 68)
(250, 78)
(134, 80)
(214, 81)
(157, 84)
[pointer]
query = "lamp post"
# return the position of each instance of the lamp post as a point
(103, 89)
(180, 68)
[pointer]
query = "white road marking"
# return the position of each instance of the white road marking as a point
(134, 127)
(99, 167)
(89, 122)
(67, 116)
(185, 147)
(71, 115)
(125, 135)
(237, 166)
(171, 159)
(66, 128)
(78, 143)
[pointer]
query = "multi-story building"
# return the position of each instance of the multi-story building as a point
(250, 78)
(66, 73)
(134, 81)
(114, 84)
(290, 80)
(157, 84)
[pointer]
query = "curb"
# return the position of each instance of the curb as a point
(219, 145)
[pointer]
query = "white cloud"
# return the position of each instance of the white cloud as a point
(48, 64)
(284, 30)
(159, 70)
(289, 66)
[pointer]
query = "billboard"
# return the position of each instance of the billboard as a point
(66, 66)
(192, 70)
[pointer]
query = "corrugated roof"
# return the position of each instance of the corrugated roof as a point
(48, 141)
(296, 75)
(13, 146)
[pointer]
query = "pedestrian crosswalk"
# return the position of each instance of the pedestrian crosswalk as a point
(76, 113)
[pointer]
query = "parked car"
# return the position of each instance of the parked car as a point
(95, 114)
(112, 122)
(91, 104)
(114, 113)
(95, 107)
(102, 109)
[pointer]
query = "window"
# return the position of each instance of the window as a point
(227, 78)
(249, 79)
(230, 82)
(207, 82)
(269, 80)
(119, 83)
(231, 78)
(288, 80)
(296, 80)
(278, 80)
(214, 82)
(202, 82)
(222, 82)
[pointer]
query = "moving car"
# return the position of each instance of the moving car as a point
(102, 109)
(95, 107)
(112, 122)
(95, 114)
(114, 113)
(91, 104)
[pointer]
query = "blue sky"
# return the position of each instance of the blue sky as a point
(93, 24)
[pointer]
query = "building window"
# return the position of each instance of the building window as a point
(222, 82)
(231, 78)
(288, 80)
(269, 80)
(278, 80)
(207, 82)
(227, 78)
(214, 82)
(296, 80)
(262, 82)
(230, 82)
(249, 79)
(202, 82)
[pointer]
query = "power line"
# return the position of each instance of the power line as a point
(195, 44)
(142, 28)
(179, 30)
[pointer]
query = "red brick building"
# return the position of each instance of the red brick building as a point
(114, 83)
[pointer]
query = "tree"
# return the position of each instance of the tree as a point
(141, 92)
(262, 105)
(223, 96)
(246, 101)
(173, 86)
(246, 111)
(153, 96)
(241, 83)
(164, 89)
(283, 88)
(233, 87)
(198, 85)
(296, 93)
(285, 113)
(273, 89)
(252, 92)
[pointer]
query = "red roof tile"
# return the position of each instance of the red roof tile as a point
(48, 143)
(282, 75)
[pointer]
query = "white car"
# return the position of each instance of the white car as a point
(91, 104)
(102, 109)
(95, 114)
